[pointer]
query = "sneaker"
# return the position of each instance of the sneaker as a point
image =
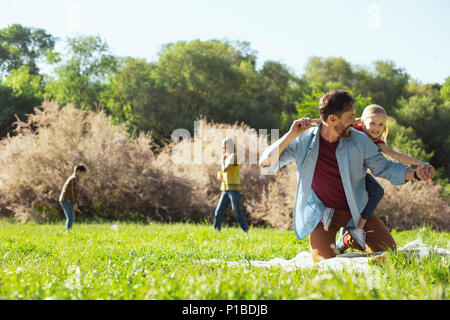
(342, 241)
(359, 236)
(327, 217)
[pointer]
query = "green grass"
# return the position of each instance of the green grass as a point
(160, 261)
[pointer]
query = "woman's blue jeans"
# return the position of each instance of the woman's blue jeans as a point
(233, 196)
(68, 212)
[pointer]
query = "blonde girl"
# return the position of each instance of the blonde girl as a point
(373, 124)
(229, 177)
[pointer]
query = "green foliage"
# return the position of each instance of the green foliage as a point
(208, 78)
(387, 84)
(20, 92)
(431, 122)
(445, 91)
(405, 140)
(81, 77)
(323, 73)
(133, 95)
(25, 84)
(308, 105)
(21, 45)
(414, 88)
(213, 78)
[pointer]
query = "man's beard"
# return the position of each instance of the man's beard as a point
(343, 132)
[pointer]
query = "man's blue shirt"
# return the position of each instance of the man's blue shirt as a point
(354, 155)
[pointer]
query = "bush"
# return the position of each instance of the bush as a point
(174, 159)
(122, 175)
(132, 179)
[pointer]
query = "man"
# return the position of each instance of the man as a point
(332, 161)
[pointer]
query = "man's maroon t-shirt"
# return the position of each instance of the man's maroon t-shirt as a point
(327, 182)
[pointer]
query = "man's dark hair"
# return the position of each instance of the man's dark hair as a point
(335, 102)
(80, 168)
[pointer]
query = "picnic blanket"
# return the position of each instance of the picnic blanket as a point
(359, 262)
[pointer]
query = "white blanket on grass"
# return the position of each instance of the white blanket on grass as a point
(358, 262)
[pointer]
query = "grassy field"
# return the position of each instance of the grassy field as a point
(160, 261)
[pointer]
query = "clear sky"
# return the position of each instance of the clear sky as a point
(414, 34)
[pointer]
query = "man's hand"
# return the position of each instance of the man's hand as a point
(272, 154)
(75, 207)
(299, 126)
(425, 171)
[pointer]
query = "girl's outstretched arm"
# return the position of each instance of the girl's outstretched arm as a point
(398, 156)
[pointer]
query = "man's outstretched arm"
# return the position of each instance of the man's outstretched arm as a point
(272, 154)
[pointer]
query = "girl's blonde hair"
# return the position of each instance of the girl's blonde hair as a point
(371, 110)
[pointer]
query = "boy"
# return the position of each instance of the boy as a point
(69, 194)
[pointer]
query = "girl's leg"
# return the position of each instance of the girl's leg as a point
(361, 223)
(224, 201)
(235, 196)
(375, 193)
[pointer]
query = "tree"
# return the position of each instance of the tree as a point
(431, 122)
(21, 45)
(24, 83)
(308, 106)
(320, 71)
(208, 78)
(278, 91)
(385, 84)
(405, 140)
(134, 96)
(445, 91)
(415, 88)
(20, 92)
(81, 77)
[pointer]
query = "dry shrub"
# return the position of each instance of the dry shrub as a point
(122, 175)
(174, 158)
(276, 204)
(414, 204)
(125, 176)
